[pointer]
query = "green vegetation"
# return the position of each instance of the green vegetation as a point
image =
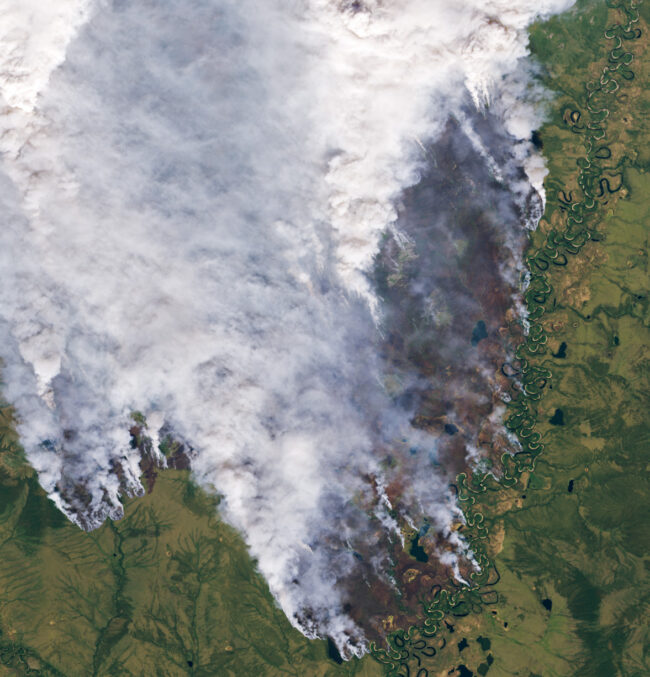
(562, 536)
(169, 590)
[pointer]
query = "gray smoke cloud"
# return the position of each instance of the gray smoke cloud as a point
(193, 198)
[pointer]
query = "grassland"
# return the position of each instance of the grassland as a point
(169, 590)
(564, 534)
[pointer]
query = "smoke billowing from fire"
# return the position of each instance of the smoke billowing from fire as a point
(194, 198)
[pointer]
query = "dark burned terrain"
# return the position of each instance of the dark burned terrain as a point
(450, 284)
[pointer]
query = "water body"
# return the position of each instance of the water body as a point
(272, 231)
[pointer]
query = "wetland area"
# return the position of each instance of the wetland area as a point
(560, 529)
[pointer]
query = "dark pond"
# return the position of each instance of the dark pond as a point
(463, 671)
(479, 333)
(484, 643)
(417, 550)
(561, 351)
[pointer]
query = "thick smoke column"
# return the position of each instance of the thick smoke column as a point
(193, 198)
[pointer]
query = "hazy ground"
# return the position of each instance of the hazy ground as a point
(170, 589)
(568, 539)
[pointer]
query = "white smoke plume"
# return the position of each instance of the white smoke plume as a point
(193, 194)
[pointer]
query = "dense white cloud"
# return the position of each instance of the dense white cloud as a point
(193, 195)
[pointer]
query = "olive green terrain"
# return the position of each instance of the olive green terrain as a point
(563, 535)
(168, 590)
